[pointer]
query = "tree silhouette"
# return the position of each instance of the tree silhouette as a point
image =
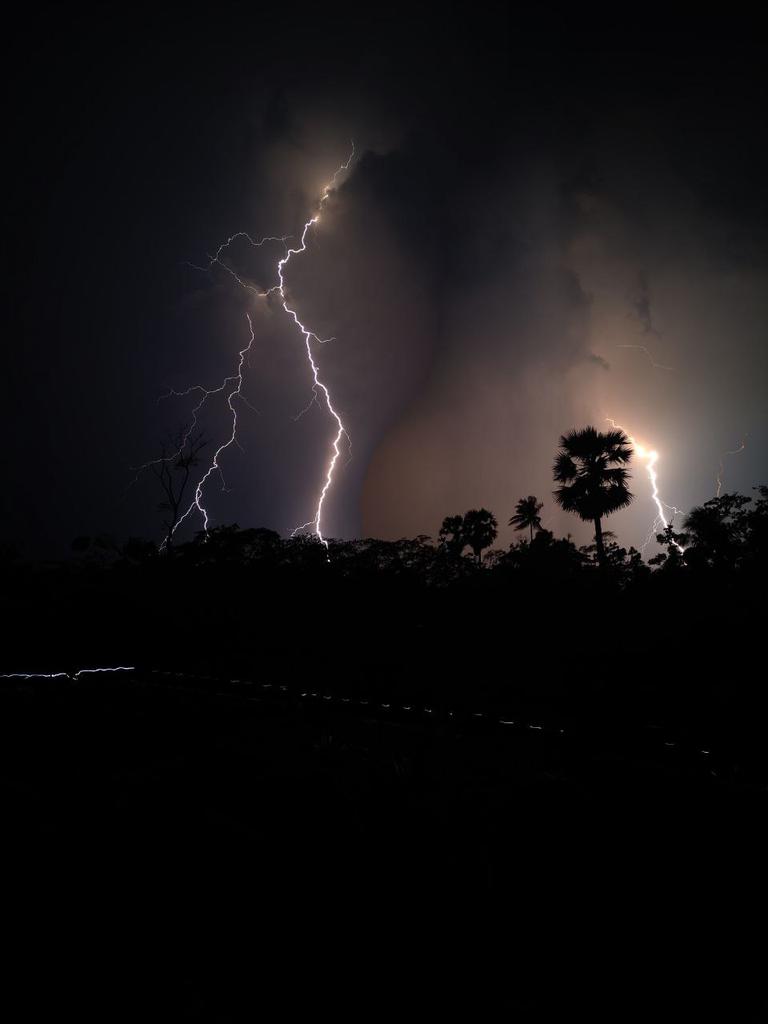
(717, 531)
(451, 535)
(480, 529)
(675, 555)
(186, 450)
(527, 514)
(593, 481)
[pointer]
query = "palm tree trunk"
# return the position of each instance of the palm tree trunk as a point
(599, 541)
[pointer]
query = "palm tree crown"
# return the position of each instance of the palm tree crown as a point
(527, 514)
(593, 481)
(476, 529)
(480, 529)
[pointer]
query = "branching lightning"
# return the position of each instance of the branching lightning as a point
(197, 501)
(189, 430)
(665, 513)
(320, 390)
(216, 258)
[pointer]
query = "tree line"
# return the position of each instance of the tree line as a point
(592, 477)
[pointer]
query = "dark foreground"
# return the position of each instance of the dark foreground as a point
(186, 848)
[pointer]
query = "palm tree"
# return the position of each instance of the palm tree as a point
(480, 529)
(451, 535)
(527, 514)
(590, 469)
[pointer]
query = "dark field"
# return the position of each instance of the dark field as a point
(198, 848)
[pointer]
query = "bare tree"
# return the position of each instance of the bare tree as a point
(173, 473)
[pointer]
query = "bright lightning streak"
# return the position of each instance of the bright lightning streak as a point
(650, 457)
(317, 383)
(721, 466)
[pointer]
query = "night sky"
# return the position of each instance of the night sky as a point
(531, 195)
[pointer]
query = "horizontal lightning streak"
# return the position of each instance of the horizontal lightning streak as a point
(67, 675)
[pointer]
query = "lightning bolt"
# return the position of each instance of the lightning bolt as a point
(318, 385)
(642, 348)
(721, 466)
(197, 501)
(189, 430)
(320, 390)
(216, 258)
(650, 457)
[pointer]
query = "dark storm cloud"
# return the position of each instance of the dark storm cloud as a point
(548, 278)
(641, 302)
(534, 201)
